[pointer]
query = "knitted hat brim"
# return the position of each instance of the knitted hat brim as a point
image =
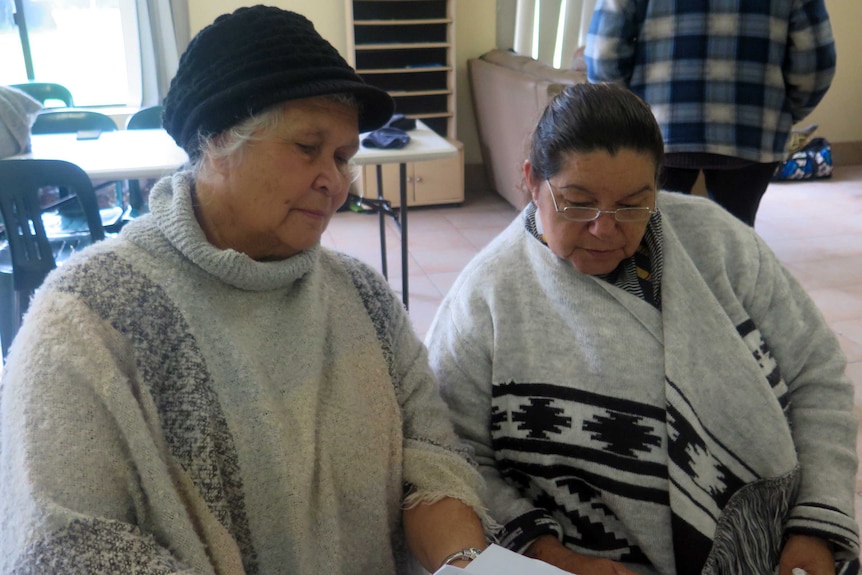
(375, 105)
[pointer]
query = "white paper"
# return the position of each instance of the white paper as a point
(496, 560)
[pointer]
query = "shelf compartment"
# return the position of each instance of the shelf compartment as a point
(422, 104)
(416, 81)
(389, 57)
(438, 123)
(385, 34)
(411, 22)
(399, 10)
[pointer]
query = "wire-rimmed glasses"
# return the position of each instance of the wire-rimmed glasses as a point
(584, 214)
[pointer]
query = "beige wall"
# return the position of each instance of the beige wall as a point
(475, 34)
(839, 115)
(328, 15)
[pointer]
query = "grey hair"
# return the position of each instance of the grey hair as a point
(230, 144)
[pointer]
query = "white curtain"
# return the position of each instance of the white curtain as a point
(164, 34)
(548, 30)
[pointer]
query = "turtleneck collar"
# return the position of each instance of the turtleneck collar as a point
(171, 207)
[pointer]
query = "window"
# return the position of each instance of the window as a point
(89, 46)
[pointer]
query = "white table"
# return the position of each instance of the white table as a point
(425, 144)
(142, 154)
(120, 155)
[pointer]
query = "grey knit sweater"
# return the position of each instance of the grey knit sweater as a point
(681, 440)
(169, 407)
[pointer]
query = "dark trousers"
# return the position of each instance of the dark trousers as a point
(737, 190)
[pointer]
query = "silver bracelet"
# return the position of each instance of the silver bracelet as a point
(467, 554)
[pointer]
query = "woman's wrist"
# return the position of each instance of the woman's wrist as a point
(462, 557)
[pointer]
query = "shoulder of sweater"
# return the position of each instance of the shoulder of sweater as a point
(496, 263)
(698, 220)
(716, 242)
(362, 276)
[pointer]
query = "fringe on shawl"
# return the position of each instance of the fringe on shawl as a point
(748, 535)
(416, 497)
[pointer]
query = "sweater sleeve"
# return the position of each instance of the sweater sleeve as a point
(611, 42)
(461, 356)
(810, 63)
(70, 495)
(435, 465)
(823, 424)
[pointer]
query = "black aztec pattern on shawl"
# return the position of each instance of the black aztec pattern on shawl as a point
(173, 368)
(705, 476)
(752, 337)
(564, 449)
(134, 553)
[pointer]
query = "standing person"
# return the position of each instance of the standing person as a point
(646, 389)
(725, 79)
(213, 391)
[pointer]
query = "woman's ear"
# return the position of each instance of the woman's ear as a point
(532, 186)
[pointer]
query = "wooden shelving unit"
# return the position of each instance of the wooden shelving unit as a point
(406, 47)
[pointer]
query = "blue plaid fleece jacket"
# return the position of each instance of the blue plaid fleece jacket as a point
(726, 77)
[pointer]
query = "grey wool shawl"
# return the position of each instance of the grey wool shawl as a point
(689, 439)
(169, 407)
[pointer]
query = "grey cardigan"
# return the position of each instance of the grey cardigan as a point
(689, 437)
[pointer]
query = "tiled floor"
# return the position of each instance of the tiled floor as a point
(814, 227)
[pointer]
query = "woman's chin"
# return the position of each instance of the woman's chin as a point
(590, 266)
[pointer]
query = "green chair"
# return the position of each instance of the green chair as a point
(66, 121)
(31, 250)
(47, 91)
(144, 119)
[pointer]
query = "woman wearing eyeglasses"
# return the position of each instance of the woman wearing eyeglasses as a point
(646, 389)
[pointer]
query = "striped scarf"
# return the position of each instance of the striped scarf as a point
(640, 274)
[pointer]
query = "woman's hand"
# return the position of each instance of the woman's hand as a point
(809, 553)
(548, 548)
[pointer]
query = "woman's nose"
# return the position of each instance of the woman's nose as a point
(331, 178)
(604, 225)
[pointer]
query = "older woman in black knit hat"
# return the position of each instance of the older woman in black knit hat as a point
(213, 391)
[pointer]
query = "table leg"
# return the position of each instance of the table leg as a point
(381, 215)
(403, 222)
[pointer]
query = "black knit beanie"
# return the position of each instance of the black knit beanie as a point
(252, 59)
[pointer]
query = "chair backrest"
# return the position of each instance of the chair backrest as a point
(64, 121)
(20, 182)
(145, 119)
(44, 91)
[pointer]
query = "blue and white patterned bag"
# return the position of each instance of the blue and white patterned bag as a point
(813, 160)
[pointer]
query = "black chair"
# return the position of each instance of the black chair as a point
(47, 91)
(144, 119)
(30, 252)
(77, 121)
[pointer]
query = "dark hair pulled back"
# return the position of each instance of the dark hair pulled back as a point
(584, 118)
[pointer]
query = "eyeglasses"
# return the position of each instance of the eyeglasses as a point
(582, 214)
